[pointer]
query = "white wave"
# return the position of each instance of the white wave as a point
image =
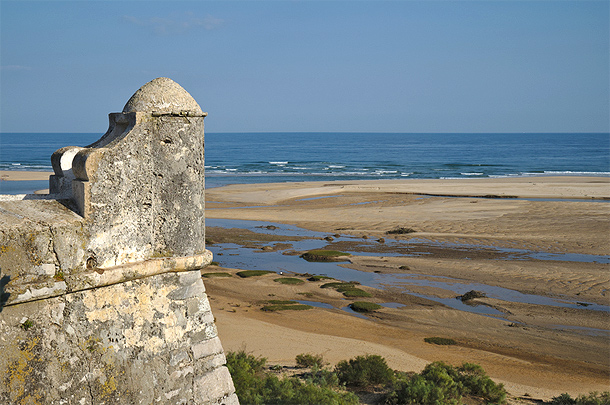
(472, 174)
(577, 173)
(278, 163)
(335, 167)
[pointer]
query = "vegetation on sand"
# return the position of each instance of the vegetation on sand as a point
(440, 340)
(363, 306)
(219, 274)
(254, 385)
(594, 398)
(440, 383)
(318, 278)
(324, 256)
(364, 371)
(437, 384)
(289, 280)
(278, 305)
(348, 289)
(307, 360)
(472, 294)
(253, 273)
(400, 231)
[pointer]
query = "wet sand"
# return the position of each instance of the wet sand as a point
(539, 350)
(18, 175)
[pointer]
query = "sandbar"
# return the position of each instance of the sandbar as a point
(19, 175)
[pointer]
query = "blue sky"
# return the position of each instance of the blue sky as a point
(355, 66)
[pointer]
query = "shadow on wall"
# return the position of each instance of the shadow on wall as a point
(3, 295)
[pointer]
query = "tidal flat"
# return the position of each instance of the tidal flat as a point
(542, 326)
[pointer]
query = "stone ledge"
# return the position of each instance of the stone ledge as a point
(20, 293)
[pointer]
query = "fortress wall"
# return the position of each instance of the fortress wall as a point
(101, 296)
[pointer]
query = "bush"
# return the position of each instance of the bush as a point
(440, 383)
(440, 340)
(364, 371)
(254, 386)
(253, 273)
(306, 360)
(362, 306)
(289, 280)
(594, 398)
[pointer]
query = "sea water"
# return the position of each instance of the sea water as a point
(286, 156)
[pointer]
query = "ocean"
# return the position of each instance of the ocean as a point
(287, 157)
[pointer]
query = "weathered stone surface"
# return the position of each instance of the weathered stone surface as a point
(101, 298)
(163, 96)
(214, 385)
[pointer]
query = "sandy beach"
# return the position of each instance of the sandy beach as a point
(467, 230)
(17, 175)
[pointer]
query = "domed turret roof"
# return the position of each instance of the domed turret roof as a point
(164, 96)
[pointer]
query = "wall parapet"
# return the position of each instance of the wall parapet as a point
(101, 296)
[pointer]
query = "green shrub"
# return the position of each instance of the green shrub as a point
(306, 360)
(440, 383)
(212, 275)
(253, 273)
(254, 386)
(364, 371)
(594, 398)
(440, 340)
(324, 256)
(362, 306)
(289, 280)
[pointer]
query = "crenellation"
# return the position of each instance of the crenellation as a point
(101, 295)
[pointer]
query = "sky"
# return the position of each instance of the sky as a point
(312, 66)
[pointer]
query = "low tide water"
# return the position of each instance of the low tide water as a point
(236, 256)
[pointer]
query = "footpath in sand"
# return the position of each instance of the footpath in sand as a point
(536, 349)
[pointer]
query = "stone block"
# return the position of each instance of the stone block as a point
(207, 348)
(214, 386)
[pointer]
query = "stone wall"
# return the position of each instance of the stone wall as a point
(101, 296)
